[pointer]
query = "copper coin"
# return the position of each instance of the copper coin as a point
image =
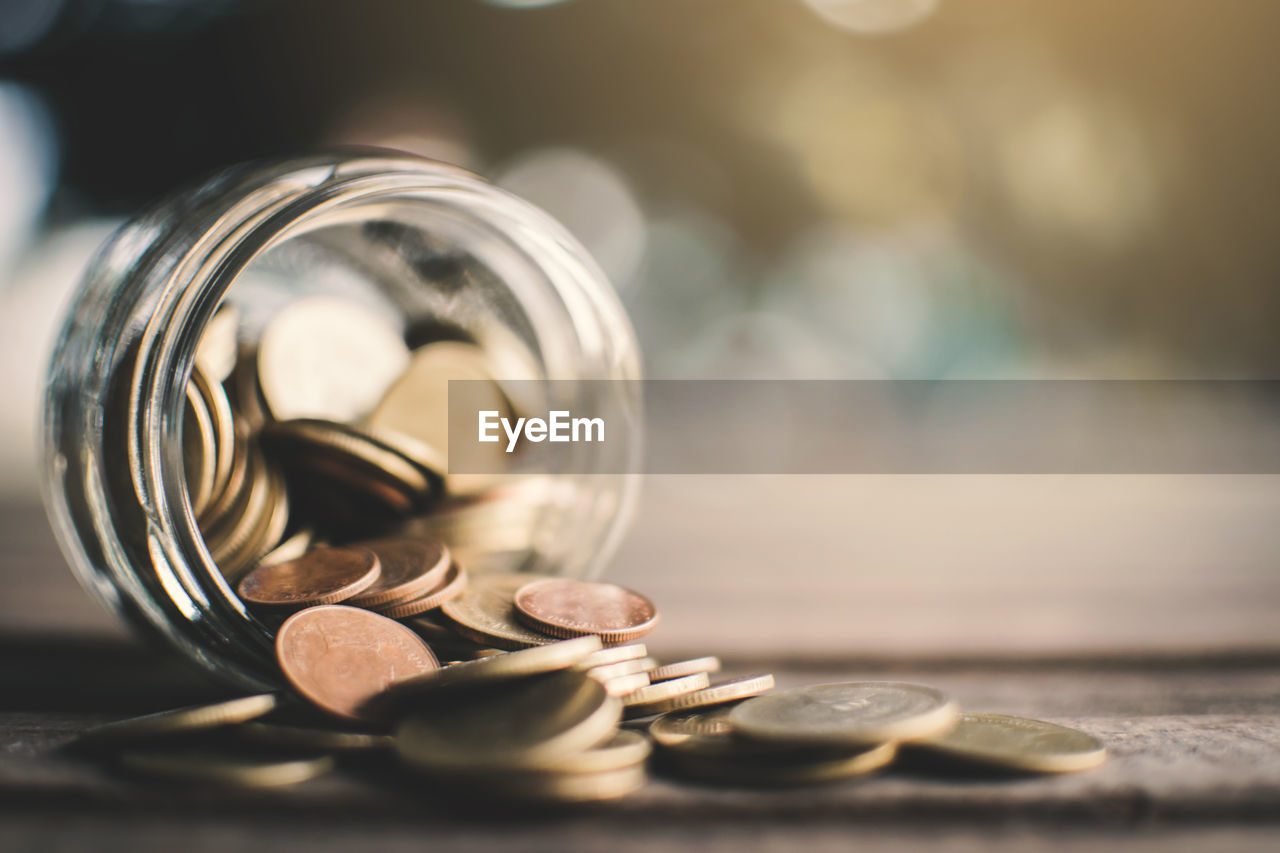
(341, 657)
(455, 583)
(320, 576)
(410, 567)
(564, 607)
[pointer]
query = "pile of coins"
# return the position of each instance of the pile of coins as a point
(330, 429)
(571, 716)
(315, 466)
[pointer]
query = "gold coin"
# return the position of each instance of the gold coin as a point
(566, 787)
(682, 668)
(312, 738)
(716, 694)
(859, 713)
(485, 613)
(528, 723)
(1017, 743)
(752, 772)
(624, 749)
(537, 660)
(271, 526)
(329, 358)
(217, 350)
(428, 460)
(221, 505)
(222, 422)
(625, 685)
(229, 535)
(181, 720)
(290, 549)
(614, 654)
(417, 405)
(343, 458)
(625, 667)
(455, 583)
(245, 390)
(199, 450)
(243, 771)
(640, 703)
(701, 744)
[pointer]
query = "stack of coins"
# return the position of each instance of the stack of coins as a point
(329, 429)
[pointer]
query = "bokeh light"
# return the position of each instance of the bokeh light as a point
(30, 314)
(873, 17)
(591, 198)
(28, 165)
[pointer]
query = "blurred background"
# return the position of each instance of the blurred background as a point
(778, 189)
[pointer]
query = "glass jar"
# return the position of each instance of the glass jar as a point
(430, 244)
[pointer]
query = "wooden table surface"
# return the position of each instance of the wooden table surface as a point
(1191, 716)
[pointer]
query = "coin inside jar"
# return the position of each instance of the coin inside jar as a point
(321, 576)
(410, 567)
(325, 357)
(564, 607)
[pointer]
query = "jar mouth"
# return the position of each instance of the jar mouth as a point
(222, 236)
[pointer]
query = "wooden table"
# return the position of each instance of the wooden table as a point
(1193, 727)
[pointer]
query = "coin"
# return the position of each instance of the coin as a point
(181, 720)
(244, 388)
(454, 584)
(528, 723)
(716, 694)
(485, 613)
(537, 660)
(216, 352)
(227, 536)
(199, 450)
(343, 459)
(429, 461)
(701, 744)
(410, 567)
(624, 749)
(563, 607)
(312, 737)
(271, 525)
(1017, 743)
(685, 667)
(221, 504)
(614, 654)
(566, 787)
(417, 405)
(330, 358)
(221, 421)
(625, 685)
(640, 703)
(321, 576)
(340, 657)
(625, 667)
(851, 713)
(812, 768)
(290, 549)
(244, 771)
